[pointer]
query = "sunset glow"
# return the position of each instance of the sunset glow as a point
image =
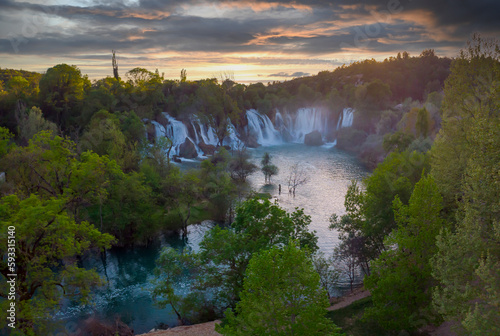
(256, 40)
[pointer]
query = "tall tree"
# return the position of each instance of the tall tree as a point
(281, 296)
(401, 279)
(62, 90)
(468, 257)
(45, 235)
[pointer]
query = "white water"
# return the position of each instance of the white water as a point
(286, 128)
(263, 129)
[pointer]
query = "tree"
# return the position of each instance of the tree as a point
(225, 252)
(297, 177)
(281, 296)
(401, 279)
(370, 216)
(328, 274)
(470, 91)
(468, 257)
(268, 168)
(45, 234)
(51, 167)
(31, 123)
(114, 63)
(240, 167)
(62, 90)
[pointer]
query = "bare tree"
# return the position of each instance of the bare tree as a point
(115, 66)
(297, 177)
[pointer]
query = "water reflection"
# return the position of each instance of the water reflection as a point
(128, 271)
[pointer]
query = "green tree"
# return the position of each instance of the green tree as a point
(51, 167)
(240, 167)
(281, 296)
(470, 90)
(401, 279)
(468, 257)
(422, 124)
(45, 234)
(32, 122)
(268, 169)
(5, 141)
(62, 90)
(225, 252)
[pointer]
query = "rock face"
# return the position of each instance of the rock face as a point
(207, 149)
(188, 149)
(251, 141)
(313, 139)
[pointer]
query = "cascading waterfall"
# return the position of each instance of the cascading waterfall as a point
(263, 129)
(286, 128)
(347, 118)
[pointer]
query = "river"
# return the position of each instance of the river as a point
(128, 271)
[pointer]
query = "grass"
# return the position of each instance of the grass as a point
(349, 319)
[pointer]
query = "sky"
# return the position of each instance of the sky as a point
(255, 41)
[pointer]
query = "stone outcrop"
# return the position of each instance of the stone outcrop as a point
(313, 139)
(188, 149)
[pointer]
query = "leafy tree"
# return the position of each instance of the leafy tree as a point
(103, 136)
(468, 258)
(470, 90)
(240, 167)
(397, 141)
(5, 141)
(32, 122)
(370, 217)
(281, 296)
(225, 252)
(51, 167)
(62, 90)
(268, 168)
(127, 209)
(45, 234)
(422, 124)
(183, 190)
(401, 279)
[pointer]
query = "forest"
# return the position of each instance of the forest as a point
(83, 172)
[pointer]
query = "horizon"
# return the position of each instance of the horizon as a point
(257, 41)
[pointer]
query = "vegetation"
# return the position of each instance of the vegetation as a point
(218, 270)
(281, 296)
(85, 171)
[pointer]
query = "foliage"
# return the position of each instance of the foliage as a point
(45, 234)
(470, 91)
(268, 169)
(468, 257)
(32, 122)
(240, 167)
(401, 279)
(225, 252)
(281, 296)
(62, 90)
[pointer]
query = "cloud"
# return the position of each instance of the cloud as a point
(275, 34)
(285, 74)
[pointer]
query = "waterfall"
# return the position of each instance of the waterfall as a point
(308, 120)
(176, 131)
(262, 128)
(346, 119)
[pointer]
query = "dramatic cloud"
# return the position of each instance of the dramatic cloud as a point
(275, 39)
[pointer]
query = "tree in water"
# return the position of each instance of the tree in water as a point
(297, 177)
(268, 168)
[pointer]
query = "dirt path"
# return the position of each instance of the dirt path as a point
(202, 329)
(344, 301)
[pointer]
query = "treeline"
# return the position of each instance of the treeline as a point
(424, 226)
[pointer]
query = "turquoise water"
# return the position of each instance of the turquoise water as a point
(128, 271)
